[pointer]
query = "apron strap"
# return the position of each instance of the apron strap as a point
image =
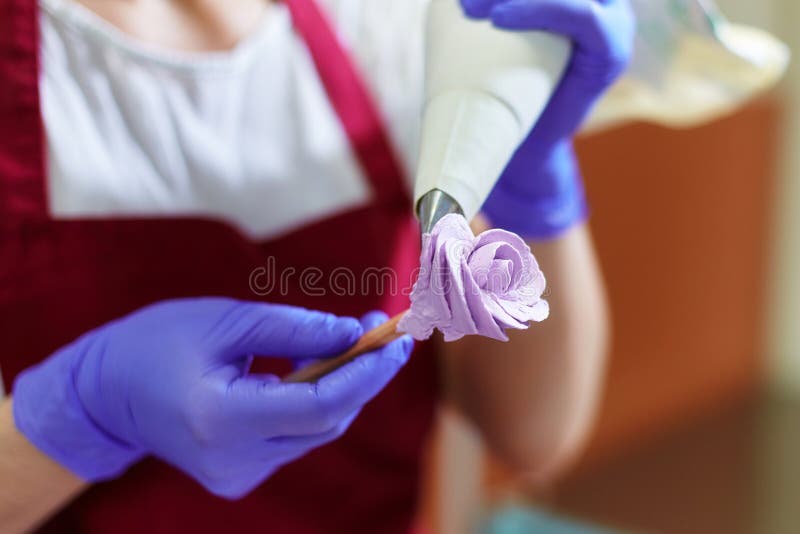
(22, 162)
(352, 101)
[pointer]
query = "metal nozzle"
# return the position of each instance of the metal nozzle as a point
(434, 205)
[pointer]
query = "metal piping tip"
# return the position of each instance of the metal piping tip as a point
(434, 205)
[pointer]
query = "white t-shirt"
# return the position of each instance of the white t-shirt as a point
(246, 135)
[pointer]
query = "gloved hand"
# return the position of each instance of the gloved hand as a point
(171, 380)
(540, 194)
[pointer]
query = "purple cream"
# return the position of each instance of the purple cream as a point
(474, 285)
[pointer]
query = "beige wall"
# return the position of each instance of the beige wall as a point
(783, 319)
(783, 343)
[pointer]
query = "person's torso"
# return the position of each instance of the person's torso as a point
(246, 135)
(63, 273)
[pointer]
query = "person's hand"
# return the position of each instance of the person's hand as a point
(171, 380)
(540, 194)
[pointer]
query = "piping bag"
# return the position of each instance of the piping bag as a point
(485, 90)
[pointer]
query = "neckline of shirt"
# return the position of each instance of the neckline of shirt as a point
(88, 23)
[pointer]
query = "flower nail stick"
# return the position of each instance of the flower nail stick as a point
(468, 285)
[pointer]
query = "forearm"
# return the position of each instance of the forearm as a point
(534, 398)
(33, 486)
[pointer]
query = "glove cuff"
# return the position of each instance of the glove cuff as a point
(48, 412)
(541, 202)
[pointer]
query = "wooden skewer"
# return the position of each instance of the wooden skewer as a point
(372, 340)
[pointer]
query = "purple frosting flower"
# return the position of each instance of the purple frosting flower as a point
(474, 285)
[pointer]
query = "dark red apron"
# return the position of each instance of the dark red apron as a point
(61, 278)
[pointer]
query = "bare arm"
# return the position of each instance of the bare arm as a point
(534, 397)
(32, 486)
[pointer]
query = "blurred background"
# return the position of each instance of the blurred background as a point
(699, 235)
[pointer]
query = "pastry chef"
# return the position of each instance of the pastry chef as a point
(152, 155)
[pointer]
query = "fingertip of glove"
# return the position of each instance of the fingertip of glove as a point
(477, 9)
(505, 15)
(407, 345)
(400, 350)
(332, 330)
(373, 319)
(349, 327)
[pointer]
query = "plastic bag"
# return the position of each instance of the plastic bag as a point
(691, 65)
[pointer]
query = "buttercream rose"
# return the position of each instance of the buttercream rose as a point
(474, 285)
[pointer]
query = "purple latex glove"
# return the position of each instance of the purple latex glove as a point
(540, 194)
(171, 380)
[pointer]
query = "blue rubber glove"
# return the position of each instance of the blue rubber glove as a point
(171, 380)
(540, 195)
